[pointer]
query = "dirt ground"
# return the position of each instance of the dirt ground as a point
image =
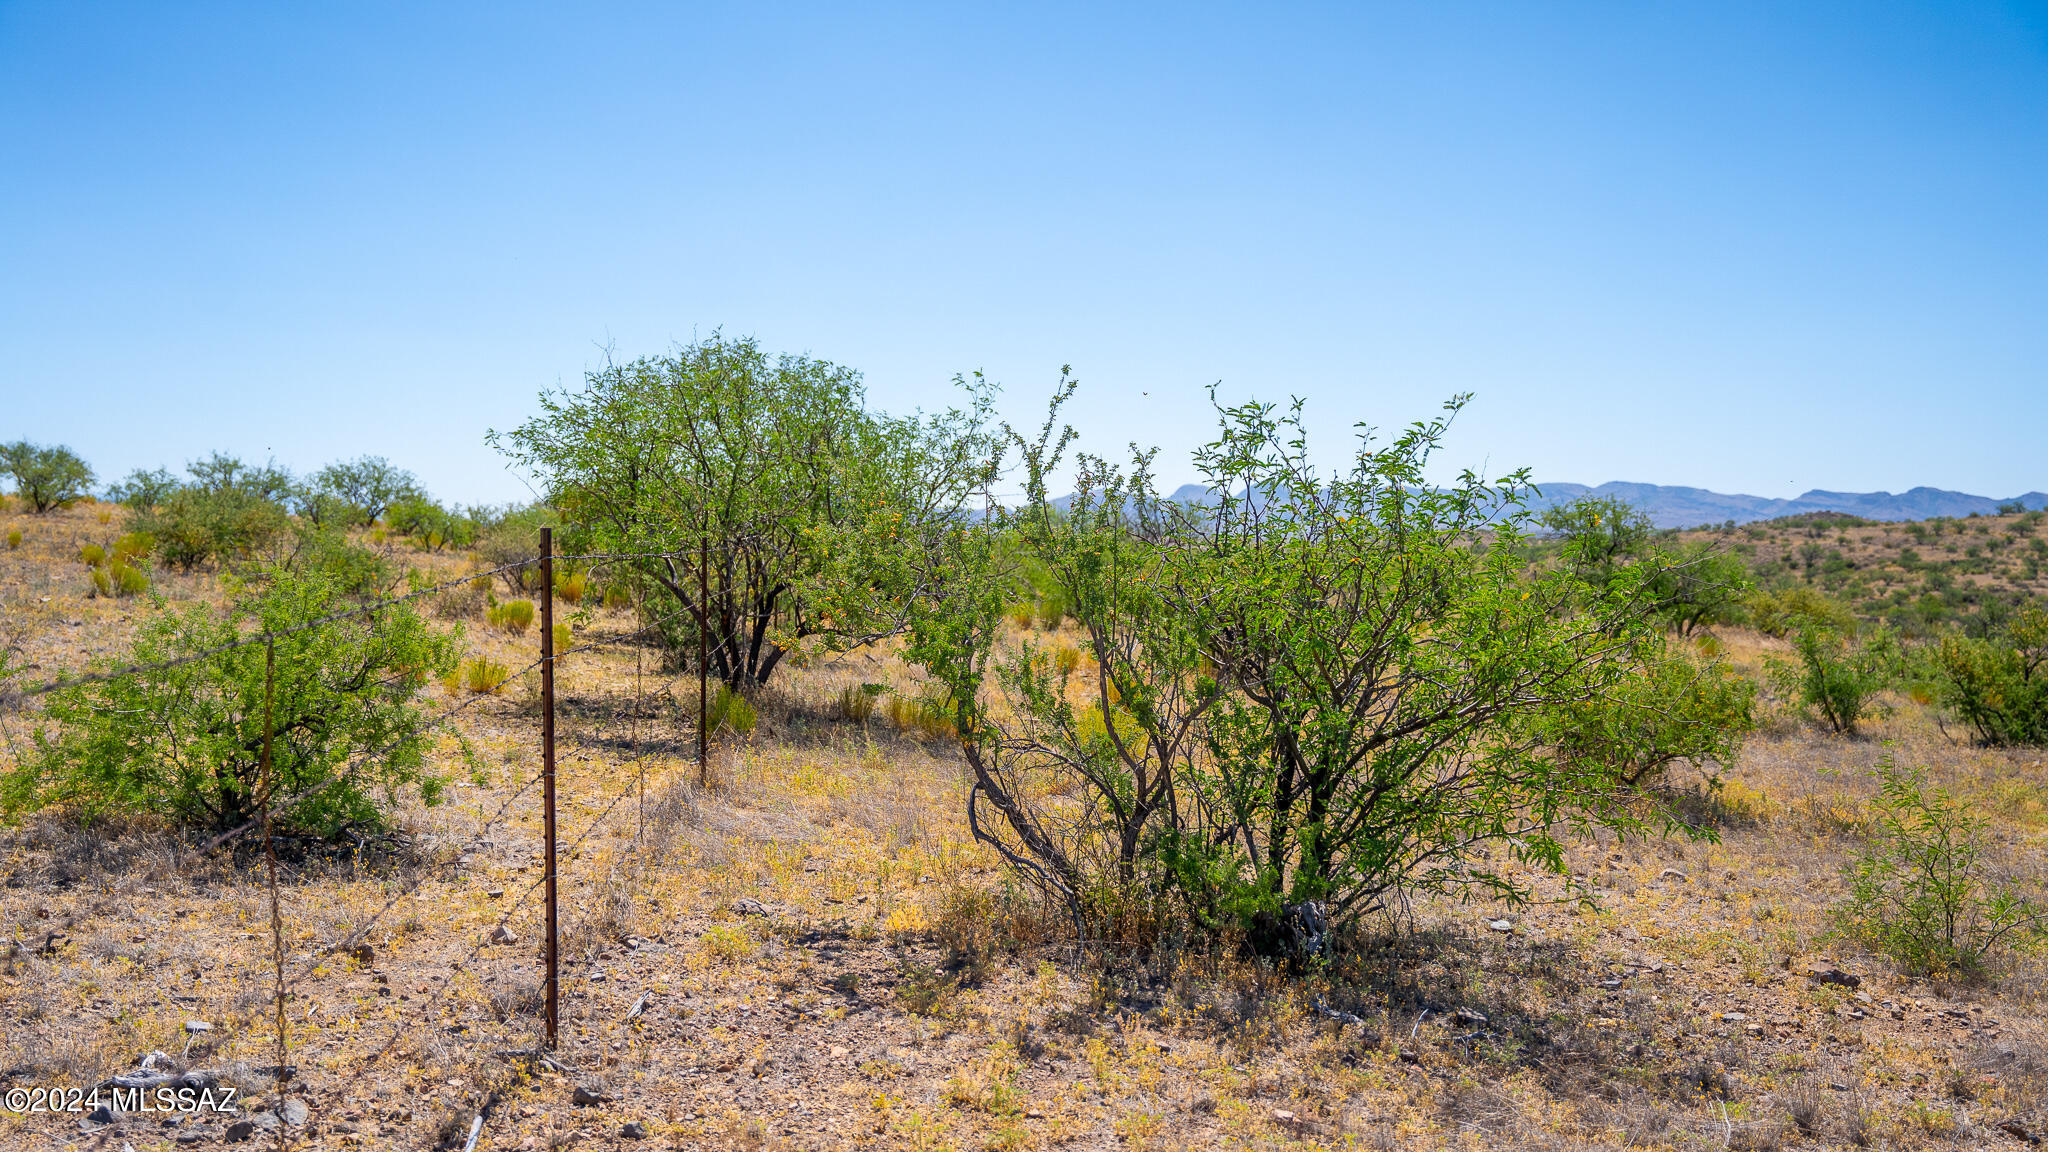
(811, 952)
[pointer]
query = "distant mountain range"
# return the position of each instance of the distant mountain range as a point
(1675, 507)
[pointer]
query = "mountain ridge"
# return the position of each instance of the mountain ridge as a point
(1677, 506)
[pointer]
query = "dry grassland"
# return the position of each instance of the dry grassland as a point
(812, 953)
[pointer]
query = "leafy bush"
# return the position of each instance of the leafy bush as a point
(429, 525)
(1316, 691)
(1676, 710)
(13, 538)
(1999, 687)
(45, 477)
(1783, 611)
(143, 490)
(1834, 681)
(228, 512)
(1923, 891)
(186, 741)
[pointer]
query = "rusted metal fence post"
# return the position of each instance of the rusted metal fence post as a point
(264, 789)
(547, 762)
(703, 663)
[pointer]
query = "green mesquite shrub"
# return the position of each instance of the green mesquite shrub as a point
(1923, 892)
(1834, 681)
(1313, 689)
(186, 741)
(1999, 687)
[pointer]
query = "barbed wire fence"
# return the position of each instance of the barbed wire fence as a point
(269, 787)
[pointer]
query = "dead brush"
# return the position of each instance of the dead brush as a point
(513, 997)
(1805, 1107)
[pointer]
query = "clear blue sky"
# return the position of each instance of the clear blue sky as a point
(1753, 248)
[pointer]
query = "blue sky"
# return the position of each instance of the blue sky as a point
(1756, 248)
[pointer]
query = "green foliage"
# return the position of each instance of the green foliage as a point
(1316, 689)
(45, 476)
(1674, 710)
(360, 490)
(1999, 686)
(13, 539)
(432, 527)
(1923, 891)
(1600, 535)
(1783, 611)
(1700, 587)
(816, 512)
(143, 490)
(1833, 680)
(228, 512)
(186, 741)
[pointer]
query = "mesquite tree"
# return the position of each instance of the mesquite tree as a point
(185, 739)
(765, 480)
(1307, 689)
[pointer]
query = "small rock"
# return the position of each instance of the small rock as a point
(293, 1112)
(1502, 926)
(239, 1131)
(1834, 976)
(1733, 1017)
(504, 935)
(838, 1053)
(633, 1130)
(364, 954)
(100, 1115)
(1673, 874)
(1837, 1086)
(197, 1026)
(1610, 983)
(587, 1097)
